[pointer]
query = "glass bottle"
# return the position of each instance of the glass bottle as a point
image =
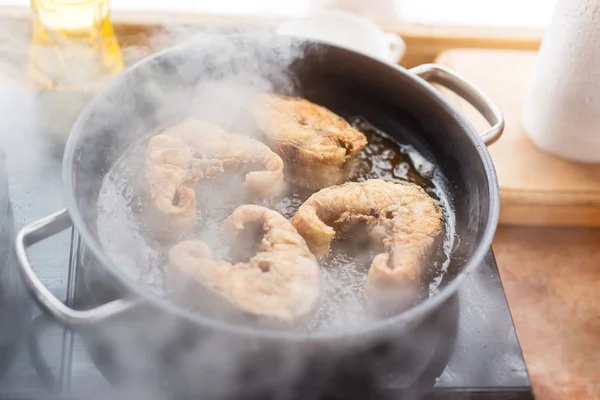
(73, 53)
(73, 45)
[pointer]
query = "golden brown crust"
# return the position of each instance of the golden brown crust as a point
(319, 147)
(192, 151)
(282, 280)
(401, 217)
(170, 204)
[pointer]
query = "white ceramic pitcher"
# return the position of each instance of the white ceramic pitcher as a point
(562, 106)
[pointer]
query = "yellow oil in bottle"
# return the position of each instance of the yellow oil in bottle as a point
(73, 45)
(73, 53)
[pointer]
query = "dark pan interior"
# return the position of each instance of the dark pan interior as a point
(390, 98)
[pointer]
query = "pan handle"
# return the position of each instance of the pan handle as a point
(35, 232)
(459, 85)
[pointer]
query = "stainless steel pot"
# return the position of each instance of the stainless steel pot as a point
(167, 349)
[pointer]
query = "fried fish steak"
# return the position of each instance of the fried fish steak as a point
(193, 151)
(401, 217)
(319, 148)
(281, 281)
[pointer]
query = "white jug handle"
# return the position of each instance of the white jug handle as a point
(396, 45)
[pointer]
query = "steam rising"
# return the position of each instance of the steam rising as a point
(207, 86)
(212, 364)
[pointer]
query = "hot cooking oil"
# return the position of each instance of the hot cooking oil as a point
(73, 45)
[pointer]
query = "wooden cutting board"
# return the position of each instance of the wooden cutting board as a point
(536, 188)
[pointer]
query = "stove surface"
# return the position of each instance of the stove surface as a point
(486, 361)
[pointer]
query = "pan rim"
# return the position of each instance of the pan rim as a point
(412, 315)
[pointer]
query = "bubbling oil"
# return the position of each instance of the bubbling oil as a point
(127, 240)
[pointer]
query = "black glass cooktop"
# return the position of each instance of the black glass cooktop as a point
(49, 362)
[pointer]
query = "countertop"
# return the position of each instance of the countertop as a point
(552, 281)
